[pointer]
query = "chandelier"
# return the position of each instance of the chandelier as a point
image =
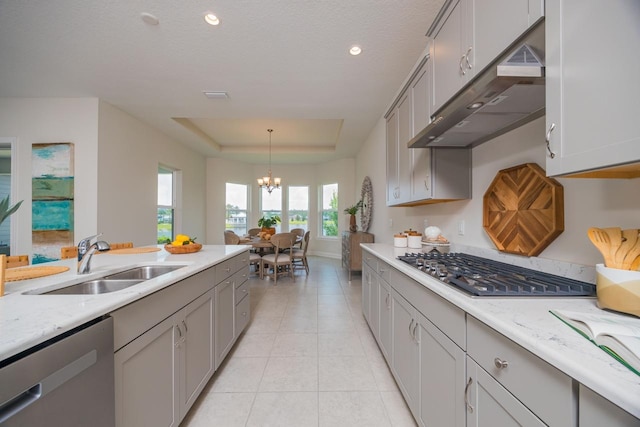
(267, 181)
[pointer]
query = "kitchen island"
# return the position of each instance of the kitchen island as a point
(475, 331)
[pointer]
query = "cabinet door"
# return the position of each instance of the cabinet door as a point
(243, 315)
(224, 318)
(421, 158)
(596, 411)
(591, 84)
(447, 53)
(442, 378)
(405, 349)
(367, 273)
(495, 24)
(146, 381)
(490, 404)
(392, 158)
(385, 319)
(374, 308)
(196, 350)
(405, 133)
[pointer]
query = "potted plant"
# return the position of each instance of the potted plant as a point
(267, 223)
(353, 210)
(5, 212)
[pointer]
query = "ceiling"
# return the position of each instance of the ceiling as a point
(284, 64)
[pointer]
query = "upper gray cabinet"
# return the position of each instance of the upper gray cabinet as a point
(469, 34)
(592, 88)
(423, 175)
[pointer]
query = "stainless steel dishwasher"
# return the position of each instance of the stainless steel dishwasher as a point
(66, 381)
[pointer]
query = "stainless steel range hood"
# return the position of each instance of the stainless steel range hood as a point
(506, 94)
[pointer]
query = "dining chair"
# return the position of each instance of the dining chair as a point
(67, 252)
(255, 260)
(253, 231)
(231, 238)
(279, 261)
(299, 256)
(299, 232)
(16, 261)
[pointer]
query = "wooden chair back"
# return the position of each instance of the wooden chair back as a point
(122, 245)
(254, 231)
(16, 261)
(231, 238)
(67, 252)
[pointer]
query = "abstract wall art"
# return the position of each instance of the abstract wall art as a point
(52, 200)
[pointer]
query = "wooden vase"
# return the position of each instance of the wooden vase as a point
(353, 227)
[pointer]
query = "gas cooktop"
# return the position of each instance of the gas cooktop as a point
(484, 277)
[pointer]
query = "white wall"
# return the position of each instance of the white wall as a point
(39, 120)
(220, 171)
(129, 154)
(588, 202)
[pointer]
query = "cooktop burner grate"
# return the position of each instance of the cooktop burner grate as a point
(484, 277)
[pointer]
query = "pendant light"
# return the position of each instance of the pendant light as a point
(267, 181)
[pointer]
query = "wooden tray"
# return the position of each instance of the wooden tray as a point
(523, 210)
(184, 249)
(24, 273)
(129, 251)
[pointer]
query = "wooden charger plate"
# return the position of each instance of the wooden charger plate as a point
(129, 251)
(24, 273)
(184, 249)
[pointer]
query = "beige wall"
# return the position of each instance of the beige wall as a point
(37, 120)
(588, 202)
(220, 171)
(129, 152)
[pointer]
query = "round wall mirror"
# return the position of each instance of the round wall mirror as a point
(367, 204)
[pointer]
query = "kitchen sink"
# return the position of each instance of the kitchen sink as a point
(113, 282)
(143, 273)
(97, 286)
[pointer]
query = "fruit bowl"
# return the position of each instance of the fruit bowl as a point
(183, 249)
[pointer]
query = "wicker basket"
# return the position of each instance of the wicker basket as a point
(184, 249)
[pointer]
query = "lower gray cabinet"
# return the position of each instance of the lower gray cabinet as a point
(596, 411)
(489, 404)
(225, 317)
(159, 374)
(404, 350)
(442, 375)
(384, 316)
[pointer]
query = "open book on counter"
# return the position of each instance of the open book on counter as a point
(618, 335)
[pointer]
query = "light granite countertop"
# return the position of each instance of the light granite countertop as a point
(27, 320)
(527, 322)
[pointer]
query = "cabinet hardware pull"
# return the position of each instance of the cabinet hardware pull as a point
(179, 331)
(466, 57)
(386, 300)
(244, 314)
(415, 338)
(466, 396)
(186, 330)
(548, 139)
(500, 364)
(462, 69)
(410, 325)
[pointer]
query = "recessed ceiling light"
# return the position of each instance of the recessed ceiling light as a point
(150, 19)
(211, 19)
(355, 50)
(216, 94)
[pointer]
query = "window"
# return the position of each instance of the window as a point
(329, 218)
(166, 204)
(298, 212)
(271, 205)
(236, 208)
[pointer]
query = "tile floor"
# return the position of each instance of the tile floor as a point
(306, 359)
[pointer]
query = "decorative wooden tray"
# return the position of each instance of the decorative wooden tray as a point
(24, 273)
(129, 251)
(523, 210)
(184, 249)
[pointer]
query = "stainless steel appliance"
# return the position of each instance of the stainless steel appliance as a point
(67, 381)
(487, 278)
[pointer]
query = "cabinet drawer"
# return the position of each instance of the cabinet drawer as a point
(243, 314)
(241, 262)
(370, 260)
(383, 269)
(242, 291)
(546, 391)
(225, 269)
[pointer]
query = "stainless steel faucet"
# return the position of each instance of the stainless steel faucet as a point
(86, 251)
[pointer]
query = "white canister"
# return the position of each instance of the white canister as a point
(400, 241)
(414, 241)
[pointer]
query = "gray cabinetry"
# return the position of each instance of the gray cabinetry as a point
(384, 334)
(596, 411)
(591, 86)
(404, 350)
(469, 35)
(351, 251)
(225, 317)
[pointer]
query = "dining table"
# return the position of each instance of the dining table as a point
(262, 245)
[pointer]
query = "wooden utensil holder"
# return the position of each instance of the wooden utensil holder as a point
(618, 290)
